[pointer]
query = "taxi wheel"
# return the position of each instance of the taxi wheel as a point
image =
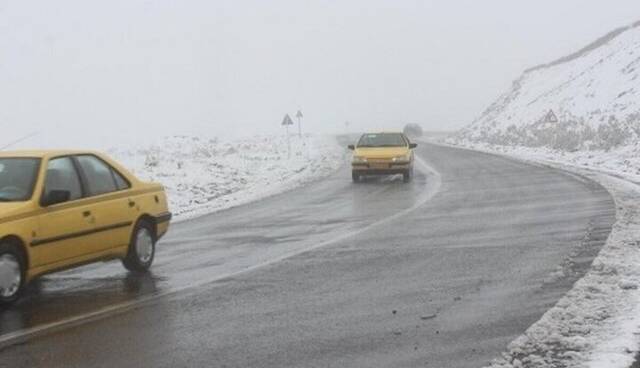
(142, 248)
(12, 270)
(355, 176)
(406, 176)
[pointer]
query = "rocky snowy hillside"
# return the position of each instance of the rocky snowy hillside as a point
(594, 93)
(204, 175)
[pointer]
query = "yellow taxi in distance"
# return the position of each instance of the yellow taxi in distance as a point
(382, 154)
(60, 209)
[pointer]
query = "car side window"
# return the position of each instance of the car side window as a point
(62, 175)
(121, 182)
(99, 176)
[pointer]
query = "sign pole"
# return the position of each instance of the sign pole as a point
(299, 116)
(288, 143)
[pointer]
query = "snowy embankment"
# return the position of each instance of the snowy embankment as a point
(206, 175)
(594, 95)
(594, 131)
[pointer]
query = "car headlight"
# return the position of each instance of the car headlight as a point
(404, 158)
(359, 159)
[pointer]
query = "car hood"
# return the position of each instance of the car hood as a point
(381, 152)
(8, 209)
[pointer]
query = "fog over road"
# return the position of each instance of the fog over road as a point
(442, 272)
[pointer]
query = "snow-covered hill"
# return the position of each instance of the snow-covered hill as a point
(204, 175)
(595, 94)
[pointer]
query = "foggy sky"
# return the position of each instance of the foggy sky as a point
(87, 73)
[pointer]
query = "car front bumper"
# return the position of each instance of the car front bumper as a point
(380, 169)
(162, 223)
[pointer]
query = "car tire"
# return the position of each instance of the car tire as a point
(142, 248)
(407, 175)
(12, 273)
(355, 176)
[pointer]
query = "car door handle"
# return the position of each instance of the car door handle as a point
(86, 213)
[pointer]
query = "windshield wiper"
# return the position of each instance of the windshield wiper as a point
(5, 199)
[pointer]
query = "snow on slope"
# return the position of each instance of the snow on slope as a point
(205, 175)
(595, 94)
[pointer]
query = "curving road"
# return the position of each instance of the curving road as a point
(442, 272)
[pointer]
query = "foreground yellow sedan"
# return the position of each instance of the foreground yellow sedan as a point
(382, 154)
(60, 209)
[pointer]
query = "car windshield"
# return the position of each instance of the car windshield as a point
(17, 178)
(382, 140)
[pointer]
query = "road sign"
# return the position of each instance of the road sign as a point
(299, 114)
(287, 120)
(551, 117)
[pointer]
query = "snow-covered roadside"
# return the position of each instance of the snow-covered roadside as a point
(206, 175)
(597, 323)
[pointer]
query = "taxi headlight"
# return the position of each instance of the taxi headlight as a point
(405, 158)
(359, 159)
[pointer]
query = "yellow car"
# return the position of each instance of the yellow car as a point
(382, 154)
(60, 209)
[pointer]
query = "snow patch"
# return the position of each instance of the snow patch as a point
(204, 175)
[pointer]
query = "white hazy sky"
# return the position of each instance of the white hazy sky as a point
(91, 72)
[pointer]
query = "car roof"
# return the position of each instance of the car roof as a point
(44, 153)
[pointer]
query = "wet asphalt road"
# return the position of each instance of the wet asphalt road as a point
(335, 274)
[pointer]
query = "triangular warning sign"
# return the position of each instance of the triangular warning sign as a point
(287, 120)
(299, 114)
(551, 117)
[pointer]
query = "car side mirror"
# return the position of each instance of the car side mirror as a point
(351, 147)
(413, 145)
(55, 197)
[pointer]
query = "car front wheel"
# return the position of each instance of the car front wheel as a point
(142, 248)
(355, 176)
(406, 176)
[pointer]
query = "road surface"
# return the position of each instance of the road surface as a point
(442, 272)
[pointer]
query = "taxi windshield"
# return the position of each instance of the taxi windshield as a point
(17, 178)
(382, 140)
